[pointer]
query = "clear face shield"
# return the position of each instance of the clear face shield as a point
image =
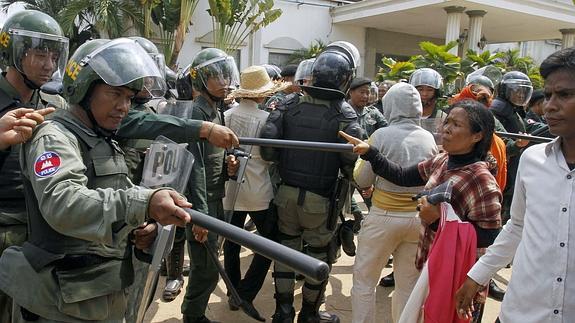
(491, 72)
(39, 56)
(303, 73)
(219, 75)
(518, 92)
(122, 62)
(160, 61)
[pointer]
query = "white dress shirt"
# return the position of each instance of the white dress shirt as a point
(541, 236)
(256, 192)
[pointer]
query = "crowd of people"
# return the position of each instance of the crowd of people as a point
(450, 196)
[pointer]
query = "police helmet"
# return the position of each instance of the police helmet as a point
(481, 80)
(36, 36)
(153, 51)
(428, 77)
(303, 72)
(333, 71)
(184, 84)
(274, 72)
(213, 63)
(516, 88)
(118, 62)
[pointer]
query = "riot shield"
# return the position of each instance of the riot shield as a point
(167, 164)
(178, 108)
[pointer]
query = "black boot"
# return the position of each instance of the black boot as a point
(495, 292)
(387, 281)
(201, 319)
(310, 314)
(175, 278)
(285, 313)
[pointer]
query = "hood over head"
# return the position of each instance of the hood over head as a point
(402, 102)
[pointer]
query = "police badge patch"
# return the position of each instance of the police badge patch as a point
(47, 164)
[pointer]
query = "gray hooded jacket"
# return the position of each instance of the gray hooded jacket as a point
(403, 141)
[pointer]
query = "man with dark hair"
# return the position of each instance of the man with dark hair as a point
(540, 231)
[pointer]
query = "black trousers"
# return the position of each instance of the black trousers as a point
(250, 285)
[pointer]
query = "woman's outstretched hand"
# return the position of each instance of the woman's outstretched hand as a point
(360, 147)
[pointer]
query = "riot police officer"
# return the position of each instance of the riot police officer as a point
(213, 74)
(513, 94)
(32, 49)
(309, 177)
(428, 83)
(76, 264)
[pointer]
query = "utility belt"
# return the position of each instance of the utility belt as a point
(71, 262)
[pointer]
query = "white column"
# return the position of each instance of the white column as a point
(255, 48)
(568, 37)
(453, 25)
(475, 24)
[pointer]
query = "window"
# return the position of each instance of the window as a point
(279, 59)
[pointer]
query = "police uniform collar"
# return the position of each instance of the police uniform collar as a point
(9, 96)
(70, 120)
(201, 103)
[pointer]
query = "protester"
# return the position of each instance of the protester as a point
(392, 226)
(467, 135)
(255, 193)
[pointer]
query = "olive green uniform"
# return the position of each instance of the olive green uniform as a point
(203, 277)
(309, 177)
(76, 263)
(12, 201)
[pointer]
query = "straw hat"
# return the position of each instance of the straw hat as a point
(255, 83)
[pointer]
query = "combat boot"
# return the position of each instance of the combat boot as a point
(175, 278)
(310, 313)
(285, 313)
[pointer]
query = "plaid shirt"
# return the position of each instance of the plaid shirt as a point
(475, 196)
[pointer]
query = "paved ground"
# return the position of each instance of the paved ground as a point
(338, 298)
(337, 294)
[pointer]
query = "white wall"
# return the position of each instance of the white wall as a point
(304, 22)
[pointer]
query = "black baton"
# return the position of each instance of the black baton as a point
(295, 260)
(297, 144)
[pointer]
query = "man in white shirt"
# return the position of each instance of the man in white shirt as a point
(540, 236)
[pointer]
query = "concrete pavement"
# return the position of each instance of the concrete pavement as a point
(338, 298)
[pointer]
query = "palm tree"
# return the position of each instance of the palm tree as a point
(312, 51)
(234, 20)
(173, 19)
(85, 19)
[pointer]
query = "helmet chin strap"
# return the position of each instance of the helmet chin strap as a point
(100, 132)
(31, 85)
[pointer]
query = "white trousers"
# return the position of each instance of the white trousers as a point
(384, 233)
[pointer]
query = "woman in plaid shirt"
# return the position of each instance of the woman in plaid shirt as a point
(476, 197)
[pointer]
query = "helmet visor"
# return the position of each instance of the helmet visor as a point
(303, 73)
(219, 75)
(39, 55)
(160, 61)
(124, 63)
(426, 77)
(518, 92)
